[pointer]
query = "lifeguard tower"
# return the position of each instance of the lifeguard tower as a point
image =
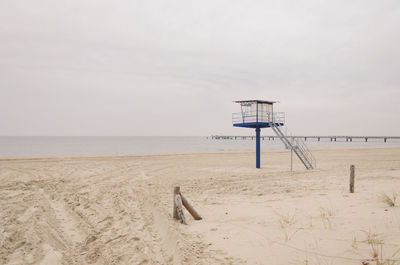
(259, 114)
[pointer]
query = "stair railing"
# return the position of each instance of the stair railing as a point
(297, 145)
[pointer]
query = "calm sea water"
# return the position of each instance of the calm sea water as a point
(88, 145)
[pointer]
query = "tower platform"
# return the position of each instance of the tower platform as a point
(258, 119)
(257, 124)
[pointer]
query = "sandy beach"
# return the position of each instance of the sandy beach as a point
(118, 209)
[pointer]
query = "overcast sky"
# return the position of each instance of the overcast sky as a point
(156, 67)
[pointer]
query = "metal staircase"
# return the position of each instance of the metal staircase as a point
(297, 145)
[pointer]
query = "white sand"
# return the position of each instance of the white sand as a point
(118, 209)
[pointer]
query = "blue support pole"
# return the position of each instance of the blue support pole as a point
(258, 147)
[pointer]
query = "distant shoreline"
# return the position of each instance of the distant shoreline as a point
(76, 145)
(171, 154)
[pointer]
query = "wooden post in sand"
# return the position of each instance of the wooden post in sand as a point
(177, 191)
(352, 179)
(179, 200)
(179, 209)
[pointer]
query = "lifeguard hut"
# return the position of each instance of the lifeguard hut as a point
(259, 114)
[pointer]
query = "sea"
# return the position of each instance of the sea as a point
(110, 145)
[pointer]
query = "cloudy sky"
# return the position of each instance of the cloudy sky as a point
(155, 67)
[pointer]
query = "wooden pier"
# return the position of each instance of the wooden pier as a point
(332, 138)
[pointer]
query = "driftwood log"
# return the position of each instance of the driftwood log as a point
(190, 209)
(179, 200)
